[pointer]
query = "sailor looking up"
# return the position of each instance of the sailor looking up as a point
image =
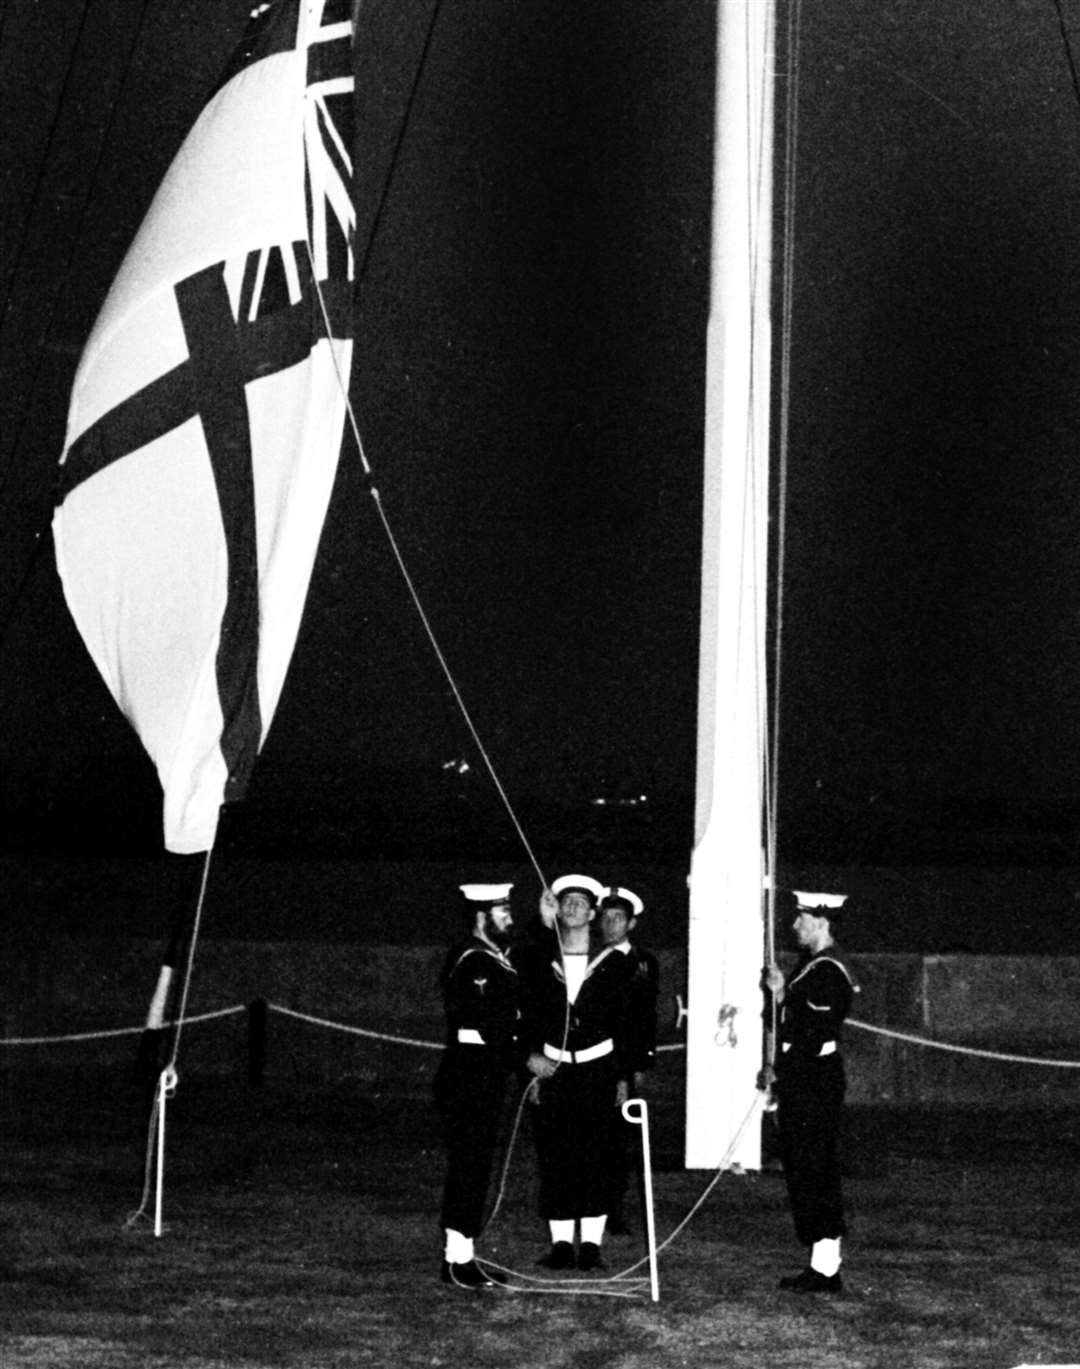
(575, 1003)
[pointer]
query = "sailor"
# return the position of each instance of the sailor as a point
(481, 995)
(620, 910)
(808, 1078)
(575, 1010)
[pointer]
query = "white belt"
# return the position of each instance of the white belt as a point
(581, 1057)
(829, 1048)
(469, 1036)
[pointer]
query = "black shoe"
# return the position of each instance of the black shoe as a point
(588, 1256)
(560, 1256)
(810, 1281)
(468, 1275)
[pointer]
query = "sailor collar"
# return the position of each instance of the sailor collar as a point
(822, 958)
(556, 964)
(479, 947)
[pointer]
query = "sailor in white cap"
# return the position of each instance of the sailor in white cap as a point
(481, 995)
(576, 994)
(809, 1084)
(620, 910)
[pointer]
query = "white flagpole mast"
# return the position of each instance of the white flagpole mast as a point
(724, 1027)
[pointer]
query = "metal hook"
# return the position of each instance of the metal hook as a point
(726, 1017)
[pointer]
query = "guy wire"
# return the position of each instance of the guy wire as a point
(62, 276)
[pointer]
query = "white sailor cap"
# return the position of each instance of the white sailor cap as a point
(583, 884)
(823, 901)
(486, 893)
(615, 894)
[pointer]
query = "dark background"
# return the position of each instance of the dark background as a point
(531, 389)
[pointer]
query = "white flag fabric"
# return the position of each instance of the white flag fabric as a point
(207, 415)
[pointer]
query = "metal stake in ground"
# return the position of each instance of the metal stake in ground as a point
(636, 1111)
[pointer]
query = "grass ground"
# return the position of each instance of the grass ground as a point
(300, 1233)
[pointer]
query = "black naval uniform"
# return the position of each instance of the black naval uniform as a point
(810, 1092)
(481, 995)
(641, 1015)
(577, 1114)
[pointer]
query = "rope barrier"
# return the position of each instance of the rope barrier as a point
(908, 1037)
(963, 1050)
(113, 1031)
(602, 1286)
(353, 1031)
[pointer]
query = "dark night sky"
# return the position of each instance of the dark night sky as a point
(934, 502)
(531, 393)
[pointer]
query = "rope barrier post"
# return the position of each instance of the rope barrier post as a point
(636, 1111)
(166, 1087)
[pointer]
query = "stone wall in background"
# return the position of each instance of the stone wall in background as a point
(372, 1014)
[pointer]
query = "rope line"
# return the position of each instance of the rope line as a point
(909, 1038)
(537, 1283)
(384, 193)
(505, 1167)
(963, 1050)
(414, 595)
(34, 200)
(760, 228)
(62, 276)
(444, 665)
(602, 1285)
(148, 1161)
(114, 1031)
(10, 474)
(190, 964)
(167, 1077)
(787, 293)
(783, 451)
(583, 1288)
(410, 585)
(721, 1169)
(354, 428)
(352, 1031)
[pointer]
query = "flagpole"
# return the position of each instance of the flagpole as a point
(724, 1028)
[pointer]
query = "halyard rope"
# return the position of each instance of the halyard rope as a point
(189, 966)
(354, 428)
(601, 1286)
(787, 280)
(167, 1077)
